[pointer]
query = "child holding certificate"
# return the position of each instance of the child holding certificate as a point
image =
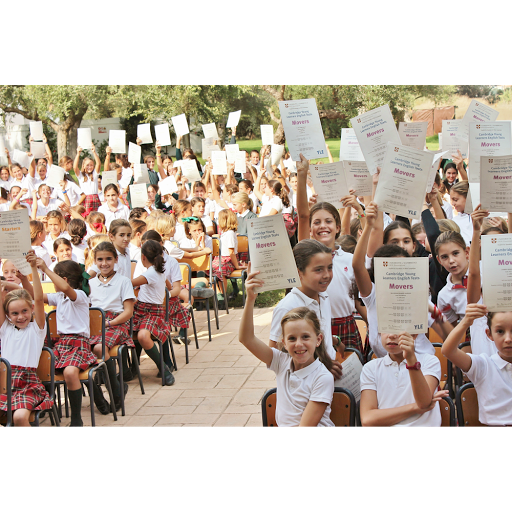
(305, 360)
(88, 179)
(458, 196)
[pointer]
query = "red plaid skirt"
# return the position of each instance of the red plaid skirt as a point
(243, 257)
(29, 201)
(73, 350)
(28, 391)
(346, 329)
(227, 266)
(179, 316)
(91, 204)
(151, 317)
(115, 335)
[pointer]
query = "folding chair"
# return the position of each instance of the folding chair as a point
(467, 406)
(216, 252)
(447, 412)
(362, 328)
(48, 287)
(204, 264)
(460, 377)
(348, 352)
(446, 370)
(186, 275)
(243, 246)
(97, 328)
(371, 356)
(433, 337)
(6, 389)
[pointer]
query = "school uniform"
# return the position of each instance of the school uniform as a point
(22, 348)
(110, 297)
(72, 347)
(79, 252)
(42, 210)
(392, 384)
(296, 388)
(135, 252)
(179, 316)
(124, 263)
(42, 253)
(48, 242)
(90, 189)
(179, 233)
(492, 378)
(173, 251)
(121, 212)
(448, 210)
(228, 240)
(255, 202)
(6, 184)
(243, 220)
(72, 191)
(463, 220)
(273, 203)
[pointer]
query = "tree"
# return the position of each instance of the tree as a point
(60, 106)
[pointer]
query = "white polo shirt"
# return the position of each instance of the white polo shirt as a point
(121, 212)
(297, 299)
(73, 192)
(111, 296)
(72, 317)
(296, 388)
(179, 233)
(273, 203)
(463, 220)
(22, 347)
(90, 186)
(134, 252)
(124, 263)
(392, 383)
(492, 377)
(172, 250)
(43, 210)
(342, 276)
(154, 291)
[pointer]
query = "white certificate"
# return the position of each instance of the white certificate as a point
(329, 182)
(487, 139)
(440, 139)
(451, 138)
(117, 141)
(403, 181)
(240, 166)
(496, 183)
(20, 157)
(190, 171)
(210, 132)
(108, 177)
(477, 112)
(162, 134)
(276, 152)
(401, 286)
(206, 150)
(497, 272)
(15, 230)
(219, 162)
(36, 130)
(233, 119)
(84, 138)
(271, 253)
(140, 173)
(37, 149)
(134, 153)
(180, 124)
(473, 199)
(22, 265)
(54, 176)
(374, 129)
(433, 170)
(349, 146)
(358, 177)
(168, 186)
(138, 195)
(303, 129)
(267, 134)
(144, 133)
(351, 375)
(413, 135)
(231, 152)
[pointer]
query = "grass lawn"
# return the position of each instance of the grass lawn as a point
(433, 143)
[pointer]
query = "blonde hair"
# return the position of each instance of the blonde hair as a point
(243, 198)
(84, 162)
(448, 225)
(164, 225)
(36, 227)
(461, 188)
(20, 294)
(55, 214)
(227, 220)
(92, 242)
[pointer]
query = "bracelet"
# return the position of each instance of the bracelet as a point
(437, 314)
(361, 216)
(339, 340)
(64, 191)
(159, 154)
(108, 322)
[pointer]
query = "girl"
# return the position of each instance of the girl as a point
(92, 242)
(246, 187)
(37, 237)
(149, 311)
(274, 200)
(490, 374)
(182, 210)
(45, 204)
(56, 225)
(23, 330)
(305, 361)
(458, 196)
(120, 234)
(113, 208)
(72, 350)
(196, 236)
(77, 230)
(139, 227)
(5, 178)
(67, 164)
(96, 224)
(63, 251)
(113, 293)
(152, 193)
(198, 205)
(243, 206)
(10, 272)
(224, 264)
(88, 179)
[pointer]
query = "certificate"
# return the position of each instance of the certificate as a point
(20, 157)
(140, 173)
(440, 139)
(451, 139)
(233, 119)
(496, 183)
(477, 112)
(84, 138)
(15, 230)
(240, 166)
(144, 133)
(139, 195)
(271, 253)
(231, 152)
(303, 129)
(351, 375)
(220, 165)
(190, 171)
(433, 170)
(206, 145)
(37, 149)
(134, 153)
(276, 153)
(36, 130)
(329, 182)
(267, 134)
(180, 124)
(358, 178)
(22, 265)
(473, 199)
(54, 176)
(349, 146)
(401, 286)
(403, 181)
(487, 139)
(108, 177)
(374, 129)
(497, 272)
(162, 134)
(117, 141)
(168, 186)
(210, 132)
(413, 135)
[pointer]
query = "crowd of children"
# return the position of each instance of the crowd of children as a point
(99, 252)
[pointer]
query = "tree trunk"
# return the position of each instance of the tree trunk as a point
(62, 141)
(279, 137)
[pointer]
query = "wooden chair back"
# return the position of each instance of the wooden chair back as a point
(175, 243)
(44, 368)
(447, 412)
(268, 408)
(216, 247)
(186, 278)
(96, 321)
(433, 337)
(243, 243)
(48, 287)
(3, 378)
(445, 373)
(467, 406)
(363, 329)
(51, 320)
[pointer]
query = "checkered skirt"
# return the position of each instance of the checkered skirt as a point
(115, 335)
(179, 316)
(346, 329)
(227, 266)
(151, 317)
(73, 350)
(92, 203)
(28, 391)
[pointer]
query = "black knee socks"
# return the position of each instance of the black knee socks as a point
(111, 368)
(75, 403)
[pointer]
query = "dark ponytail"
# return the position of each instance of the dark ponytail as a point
(154, 253)
(77, 229)
(280, 192)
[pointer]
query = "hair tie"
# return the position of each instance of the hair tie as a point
(98, 226)
(188, 219)
(85, 280)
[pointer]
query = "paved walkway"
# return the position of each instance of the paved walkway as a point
(221, 386)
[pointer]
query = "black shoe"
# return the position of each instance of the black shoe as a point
(98, 378)
(101, 404)
(168, 376)
(199, 306)
(128, 375)
(117, 399)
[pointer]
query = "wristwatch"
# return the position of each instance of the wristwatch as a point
(416, 366)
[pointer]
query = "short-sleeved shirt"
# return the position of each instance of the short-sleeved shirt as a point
(72, 316)
(90, 186)
(111, 296)
(121, 212)
(42, 210)
(154, 291)
(342, 276)
(22, 347)
(124, 263)
(274, 203)
(463, 220)
(72, 190)
(296, 388)
(173, 251)
(228, 240)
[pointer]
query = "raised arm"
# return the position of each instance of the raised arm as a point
(459, 163)
(76, 162)
(37, 289)
(48, 150)
(159, 161)
(474, 287)
(106, 164)
(331, 159)
(377, 234)
(363, 281)
(302, 199)
(58, 281)
(97, 160)
(256, 188)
